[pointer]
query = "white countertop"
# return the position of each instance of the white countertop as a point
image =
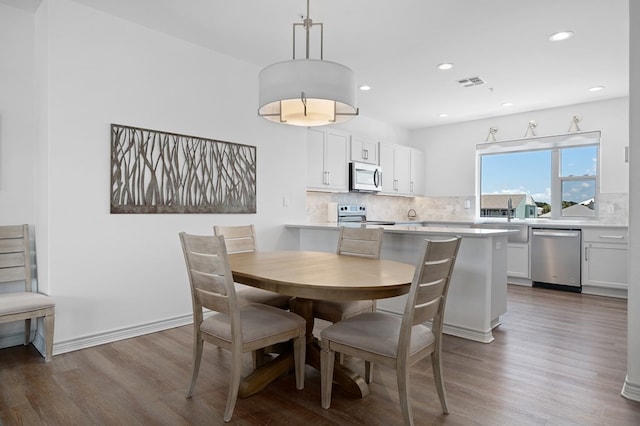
(413, 229)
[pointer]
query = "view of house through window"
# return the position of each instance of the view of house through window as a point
(546, 180)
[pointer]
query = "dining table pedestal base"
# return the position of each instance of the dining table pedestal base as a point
(283, 363)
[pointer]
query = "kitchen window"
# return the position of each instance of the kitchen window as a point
(553, 177)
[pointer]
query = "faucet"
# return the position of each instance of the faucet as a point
(509, 208)
(411, 214)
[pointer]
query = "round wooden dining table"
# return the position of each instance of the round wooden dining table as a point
(310, 276)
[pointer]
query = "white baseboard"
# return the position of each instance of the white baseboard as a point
(631, 390)
(465, 333)
(13, 339)
(526, 282)
(115, 335)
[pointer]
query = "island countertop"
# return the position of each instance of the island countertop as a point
(477, 294)
(409, 229)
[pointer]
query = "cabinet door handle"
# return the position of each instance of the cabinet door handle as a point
(365, 154)
(395, 184)
(326, 178)
(411, 187)
(586, 253)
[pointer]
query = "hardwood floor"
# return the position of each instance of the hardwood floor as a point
(558, 359)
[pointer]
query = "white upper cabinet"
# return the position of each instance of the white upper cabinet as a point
(327, 160)
(402, 170)
(417, 172)
(364, 150)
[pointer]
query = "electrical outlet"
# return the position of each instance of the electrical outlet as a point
(610, 209)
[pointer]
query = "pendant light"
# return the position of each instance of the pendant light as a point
(307, 92)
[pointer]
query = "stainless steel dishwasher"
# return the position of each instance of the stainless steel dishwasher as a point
(555, 258)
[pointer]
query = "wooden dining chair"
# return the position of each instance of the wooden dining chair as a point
(237, 328)
(15, 266)
(398, 342)
(361, 242)
(241, 239)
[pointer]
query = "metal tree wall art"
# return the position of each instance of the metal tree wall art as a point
(158, 172)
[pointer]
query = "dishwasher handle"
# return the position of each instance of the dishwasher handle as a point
(545, 233)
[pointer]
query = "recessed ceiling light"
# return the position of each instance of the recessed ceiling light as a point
(445, 66)
(507, 104)
(364, 87)
(561, 35)
(596, 88)
(443, 115)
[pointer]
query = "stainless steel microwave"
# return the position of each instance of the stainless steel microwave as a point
(365, 177)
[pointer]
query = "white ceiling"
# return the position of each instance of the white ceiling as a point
(395, 45)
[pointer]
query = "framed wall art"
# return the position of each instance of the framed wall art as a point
(160, 172)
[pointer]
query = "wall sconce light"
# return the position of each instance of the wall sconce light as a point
(491, 136)
(531, 129)
(574, 124)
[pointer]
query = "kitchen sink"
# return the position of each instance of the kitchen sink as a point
(522, 236)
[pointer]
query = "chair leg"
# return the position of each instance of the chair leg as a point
(197, 357)
(327, 359)
(437, 376)
(299, 355)
(368, 372)
(49, 323)
(403, 392)
(234, 384)
(27, 331)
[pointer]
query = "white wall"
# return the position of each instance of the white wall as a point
(17, 130)
(631, 388)
(110, 273)
(17, 121)
(375, 130)
(455, 144)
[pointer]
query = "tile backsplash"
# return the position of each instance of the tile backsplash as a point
(613, 207)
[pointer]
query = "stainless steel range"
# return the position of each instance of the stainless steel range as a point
(356, 213)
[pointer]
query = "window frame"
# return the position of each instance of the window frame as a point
(555, 144)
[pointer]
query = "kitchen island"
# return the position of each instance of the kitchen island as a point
(478, 290)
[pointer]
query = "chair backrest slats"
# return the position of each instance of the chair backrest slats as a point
(15, 256)
(209, 273)
(362, 242)
(435, 270)
(428, 293)
(11, 245)
(11, 260)
(8, 232)
(213, 301)
(429, 310)
(238, 239)
(11, 274)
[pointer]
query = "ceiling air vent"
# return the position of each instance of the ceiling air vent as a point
(471, 81)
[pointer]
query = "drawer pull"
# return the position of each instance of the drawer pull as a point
(615, 237)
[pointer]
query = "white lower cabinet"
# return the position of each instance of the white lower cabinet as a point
(605, 261)
(518, 260)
